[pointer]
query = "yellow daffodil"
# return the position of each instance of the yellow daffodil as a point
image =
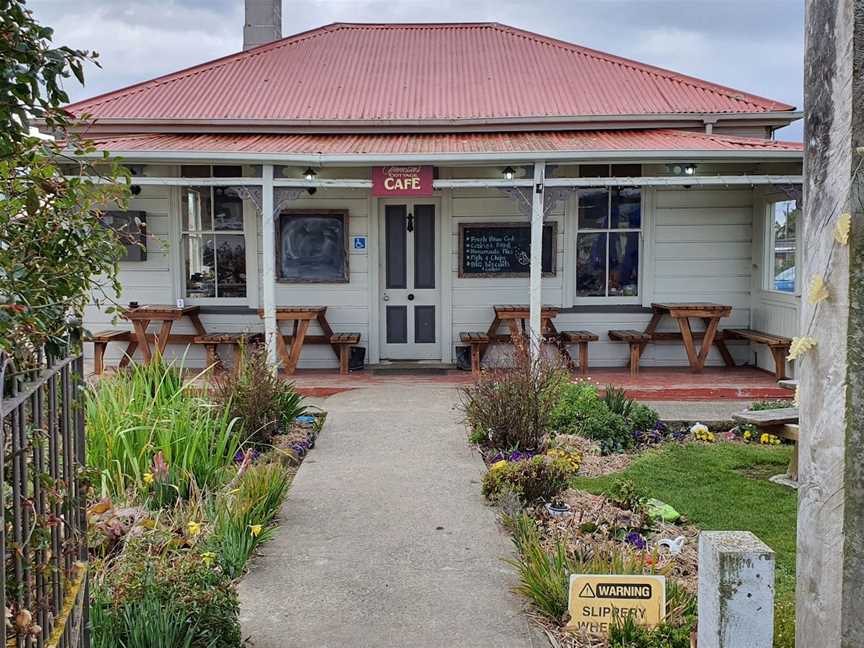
(193, 528)
(255, 530)
(818, 290)
(800, 346)
(208, 557)
(748, 435)
(842, 229)
(148, 478)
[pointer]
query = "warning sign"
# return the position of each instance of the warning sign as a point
(598, 602)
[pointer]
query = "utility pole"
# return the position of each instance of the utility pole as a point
(830, 570)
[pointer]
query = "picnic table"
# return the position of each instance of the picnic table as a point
(681, 312)
(142, 316)
(289, 346)
(516, 317)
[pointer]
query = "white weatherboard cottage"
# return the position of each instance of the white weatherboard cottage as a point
(398, 169)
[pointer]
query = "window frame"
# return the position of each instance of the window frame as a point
(768, 256)
(636, 299)
(178, 257)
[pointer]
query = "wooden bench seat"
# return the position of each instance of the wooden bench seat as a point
(782, 423)
(344, 342)
(477, 341)
(778, 345)
(582, 338)
(100, 342)
(637, 341)
(211, 343)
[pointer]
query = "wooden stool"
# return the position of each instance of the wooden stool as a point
(477, 341)
(582, 338)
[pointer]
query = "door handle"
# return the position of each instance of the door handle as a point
(386, 298)
(411, 297)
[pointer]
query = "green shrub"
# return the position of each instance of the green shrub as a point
(184, 583)
(617, 401)
(631, 635)
(478, 436)
(642, 418)
(255, 395)
(624, 494)
(149, 623)
(512, 405)
(243, 514)
(543, 576)
(134, 416)
(537, 478)
(610, 420)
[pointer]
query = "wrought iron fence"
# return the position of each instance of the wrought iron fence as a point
(43, 536)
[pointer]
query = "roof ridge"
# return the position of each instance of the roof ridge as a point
(672, 75)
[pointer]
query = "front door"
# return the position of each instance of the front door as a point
(410, 292)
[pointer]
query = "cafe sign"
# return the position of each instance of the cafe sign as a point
(597, 603)
(402, 181)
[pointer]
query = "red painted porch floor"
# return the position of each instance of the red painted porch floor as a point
(652, 384)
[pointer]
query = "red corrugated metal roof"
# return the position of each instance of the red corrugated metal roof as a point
(444, 143)
(419, 72)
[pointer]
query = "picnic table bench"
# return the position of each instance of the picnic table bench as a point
(778, 345)
(782, 423)
(237, 340)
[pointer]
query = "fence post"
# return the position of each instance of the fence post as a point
(736, 590)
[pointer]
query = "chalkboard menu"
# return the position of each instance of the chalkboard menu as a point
(312, 246)
(502, 249)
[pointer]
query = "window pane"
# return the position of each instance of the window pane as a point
(626, 208)
(593, 208)
(197, 210)
(200, 269)
(591, 265)
(227, 171)
(593, 170)
(230, 265)
(626, 170)
(624, 264)
(785, 224)
(228, 210)
(195, 171)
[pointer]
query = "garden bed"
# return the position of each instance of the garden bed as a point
(586, 482)
(185, 486)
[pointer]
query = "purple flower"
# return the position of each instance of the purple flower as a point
(636, 540)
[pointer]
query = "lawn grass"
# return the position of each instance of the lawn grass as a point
(724, 486)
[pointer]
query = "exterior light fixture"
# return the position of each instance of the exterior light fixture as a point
(682, 169)
(509, 173)
(310, 174)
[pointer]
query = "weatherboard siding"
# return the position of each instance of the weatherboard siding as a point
(702, 249)
(699, 247)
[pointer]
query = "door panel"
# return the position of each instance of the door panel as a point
(410, 293)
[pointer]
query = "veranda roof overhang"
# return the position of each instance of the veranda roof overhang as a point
(446, 148)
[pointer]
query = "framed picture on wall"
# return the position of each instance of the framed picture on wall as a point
(312, 246)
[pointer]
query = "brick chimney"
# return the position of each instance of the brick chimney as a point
(263, 22)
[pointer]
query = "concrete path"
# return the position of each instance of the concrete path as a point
(385, 540)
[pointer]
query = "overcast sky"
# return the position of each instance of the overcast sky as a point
(752, 45)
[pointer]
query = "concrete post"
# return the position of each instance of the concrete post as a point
(830, 570)
(736, 591)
